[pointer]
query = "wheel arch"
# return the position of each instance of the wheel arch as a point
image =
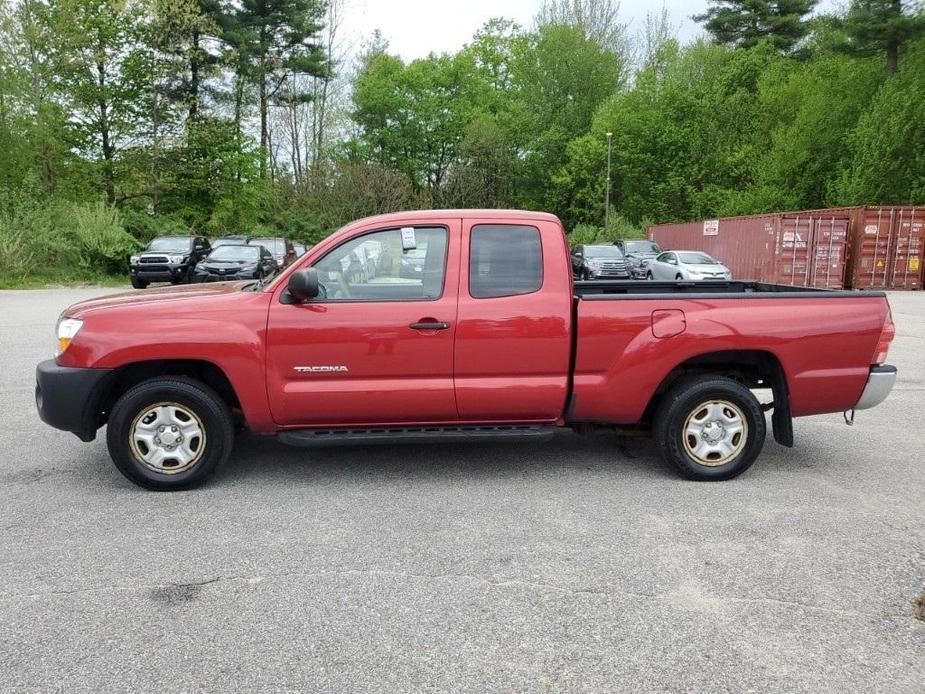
(751, 367)
(129, 375)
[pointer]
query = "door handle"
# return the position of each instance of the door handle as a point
(429, 325)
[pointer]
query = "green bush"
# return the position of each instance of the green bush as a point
(583, 234)
(97, 236)
(63, 240)
(618, 227)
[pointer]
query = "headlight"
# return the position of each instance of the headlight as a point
(594, 264)
(176, 259)
(66, 331)
(134, 259)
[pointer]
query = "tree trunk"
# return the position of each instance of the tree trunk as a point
(194, 76)
(263, 124)
(892, 57)
(108, 174)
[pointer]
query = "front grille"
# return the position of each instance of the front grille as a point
(152, 259)
(613, 265)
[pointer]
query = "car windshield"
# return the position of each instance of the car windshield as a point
(235, 253)
(167, 244)
(275, 246)
(642, 247)
(696, 259)
(602, 252)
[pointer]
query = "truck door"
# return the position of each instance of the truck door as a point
(514, 320)
(377, 346)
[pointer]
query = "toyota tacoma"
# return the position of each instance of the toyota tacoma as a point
(492, 339)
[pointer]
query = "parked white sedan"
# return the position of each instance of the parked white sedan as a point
(686, 265)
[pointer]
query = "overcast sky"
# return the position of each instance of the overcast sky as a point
(415, 28)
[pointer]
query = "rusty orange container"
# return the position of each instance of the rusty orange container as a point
(806, 249)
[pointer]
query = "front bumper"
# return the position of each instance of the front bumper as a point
(161, 272)
(68, 398)
(608, 275)
(879, 384)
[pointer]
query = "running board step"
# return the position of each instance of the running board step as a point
(423, 434)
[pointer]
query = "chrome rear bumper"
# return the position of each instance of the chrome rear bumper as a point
(879, 384)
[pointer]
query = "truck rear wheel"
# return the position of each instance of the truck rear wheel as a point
(710, 428)
(169, 433)
(139, 284)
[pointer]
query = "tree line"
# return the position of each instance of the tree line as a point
(122, 119)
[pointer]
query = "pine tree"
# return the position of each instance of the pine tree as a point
(743, 23)
(881, 26)
(275, 39)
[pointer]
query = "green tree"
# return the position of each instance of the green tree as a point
(94, 42)
(744, 23)
(414, 117)
(560, 77)
(887, 148)
(274, 39)
(806, 114)
(881, 27)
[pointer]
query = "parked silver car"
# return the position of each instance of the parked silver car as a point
(686, 265)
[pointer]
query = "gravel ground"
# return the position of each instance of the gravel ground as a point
(582, 564)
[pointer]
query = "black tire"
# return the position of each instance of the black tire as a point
(690, 397)
(679, 277)
(202, 401)
(649, 276)
(138, 284)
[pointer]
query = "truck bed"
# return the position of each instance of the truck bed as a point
(596, 290)
(823, 340)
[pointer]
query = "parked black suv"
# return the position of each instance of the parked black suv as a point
(235, 262)
(598, 262)
(168, 259)
(638, 254)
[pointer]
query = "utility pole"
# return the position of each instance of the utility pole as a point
(607, 189)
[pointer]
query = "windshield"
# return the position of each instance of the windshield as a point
(275, 246)
(642, 247)
(248, 253)
(696, 259)
(602, 252)
(168, 244)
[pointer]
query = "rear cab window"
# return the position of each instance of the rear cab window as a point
(504, 260)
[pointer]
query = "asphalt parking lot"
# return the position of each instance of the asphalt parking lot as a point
(577, 565)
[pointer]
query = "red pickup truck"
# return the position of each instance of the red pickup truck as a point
(456, 325)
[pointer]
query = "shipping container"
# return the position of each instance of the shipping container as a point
(847, 247)
(807, 249)
(886, 248)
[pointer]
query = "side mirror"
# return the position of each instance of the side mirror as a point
(303, 284)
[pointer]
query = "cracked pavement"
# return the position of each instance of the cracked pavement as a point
(581, 564)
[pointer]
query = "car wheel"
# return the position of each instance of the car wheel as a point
(679, 276)
(710, 428)
(169, 433)
(138, 284)
(649, 276)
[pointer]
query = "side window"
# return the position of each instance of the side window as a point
(376, 267)
(663, 258)
(504, 260)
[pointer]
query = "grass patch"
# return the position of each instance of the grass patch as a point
(70, 277)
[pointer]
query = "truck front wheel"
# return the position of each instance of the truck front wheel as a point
(169, 433)
(710, 428)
